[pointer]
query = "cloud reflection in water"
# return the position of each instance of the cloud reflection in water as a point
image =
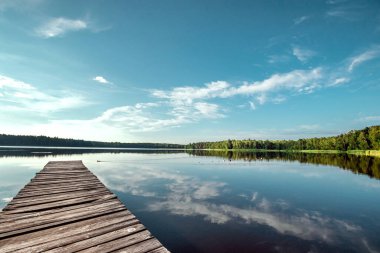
(190, 195)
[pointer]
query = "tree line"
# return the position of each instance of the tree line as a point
(364, 139)
(28, 140)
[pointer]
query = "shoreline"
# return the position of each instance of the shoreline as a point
(374, 153)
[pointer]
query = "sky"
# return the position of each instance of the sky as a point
(184, 71)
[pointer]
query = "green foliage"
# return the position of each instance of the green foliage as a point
(365, 139)
(21, 140)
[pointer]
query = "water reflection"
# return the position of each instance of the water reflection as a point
(358, 164)
(188, 193)
(257, 202)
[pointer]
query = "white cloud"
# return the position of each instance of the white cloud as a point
(7, 200)
(302, 54)
(207, 190)
(189, 104)
(370, 118)
(309, 127)
(59, 26)
(296, 80)
(182, 200)
(332, 2)
(189, 93)
(351, 12)
(273, 59)
(339, 81)
(363, 57)
(300, 20)
(20, 96)
(19, 4)
(101, 79)
(137, 118)
(337, 13)
(254, 196)
(252, 105)
(207, 110)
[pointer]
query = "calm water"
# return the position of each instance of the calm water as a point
(231, 202)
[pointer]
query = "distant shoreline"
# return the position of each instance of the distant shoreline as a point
(375, 153)
(79, 148)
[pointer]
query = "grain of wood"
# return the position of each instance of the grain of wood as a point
(141, 247)
(66, 208)
(60, 234)
(159, 250)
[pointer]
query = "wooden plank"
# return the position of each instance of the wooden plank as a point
(59, 187)
(65, 208)
(8, 216)
(120, 243)
(55, 204)
(141, 247)
(133, 233)
(20, 202)
(159, 250)
(92, 236)
(31, 225)
(32, 193)
(60, 177)
(66, 231)
(62, 182)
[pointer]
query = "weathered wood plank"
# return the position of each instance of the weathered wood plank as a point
(77, 201)
(85, 239)
(9, 216)
(141, 247)
(120, 243)
(159, 250)
(20, 202)
(32, 225)
(65, 208)
(31, 193)
(62, 182)
(55, 204)
(64, 232)
(58, 187)
(133, 233)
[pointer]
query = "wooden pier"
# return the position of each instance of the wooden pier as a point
(65, 208)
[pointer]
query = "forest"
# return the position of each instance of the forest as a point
(27, 140)
(364, 139)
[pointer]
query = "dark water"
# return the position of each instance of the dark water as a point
(231, 202)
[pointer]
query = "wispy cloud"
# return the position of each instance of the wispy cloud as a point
(139, 118)
(363, 57)
(188, 102)
(19, 4)
(57, 27)
(20, 96)
(339, 81)
(274, 59)
(337, 13)
(346, 11)
(101, 79)
(300, 20)
(252, 105)
(332, 2)
(303, 54)
(297, 81)
(370, 118)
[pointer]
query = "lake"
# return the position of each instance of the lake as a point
(227, 201)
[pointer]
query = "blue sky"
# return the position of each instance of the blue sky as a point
(184, 71)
